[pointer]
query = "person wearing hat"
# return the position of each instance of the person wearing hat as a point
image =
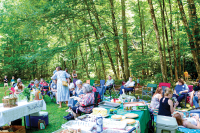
(31, 84)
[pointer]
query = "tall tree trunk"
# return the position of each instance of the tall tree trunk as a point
(178, 45)
(99, 47)
(125, 44)
(173, 44)
(102, 34)
(115, 30)
(163, 36)
(190, 37)
(168, 47)
(158, 40)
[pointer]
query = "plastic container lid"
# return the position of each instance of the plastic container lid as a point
(41, 113)
(166, 121)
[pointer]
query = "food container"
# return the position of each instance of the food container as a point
(106, 104)
(110, 124)
(132, 106)
(86, 126)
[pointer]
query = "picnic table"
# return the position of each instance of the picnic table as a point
(143, 118)
(23, 109)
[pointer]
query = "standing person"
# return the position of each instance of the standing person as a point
(186, 75)
(62, 91)
(166, 105)
(138, 82)
(66, 70)
(12, 81)
(180, 90)
(5, 82)
(74, 76)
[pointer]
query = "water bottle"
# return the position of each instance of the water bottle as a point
(99, 123)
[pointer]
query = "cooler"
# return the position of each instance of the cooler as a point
(35, 118)
(166, 124)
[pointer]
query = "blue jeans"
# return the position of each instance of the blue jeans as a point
(107, 87)
(126, 89)
(179, 98)
(195, 101)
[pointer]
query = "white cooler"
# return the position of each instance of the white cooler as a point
(166, 124)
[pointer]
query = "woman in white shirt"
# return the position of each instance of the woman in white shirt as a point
(129, 86)
(19, 87)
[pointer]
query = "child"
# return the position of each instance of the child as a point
(12, 80)
(138, 81)
(5, 82)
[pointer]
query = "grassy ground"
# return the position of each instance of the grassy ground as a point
(56, 114)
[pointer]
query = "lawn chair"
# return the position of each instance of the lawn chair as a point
(188, 97)
(92, 82)
(164, 85)
(147, 92)
(95, 102)
(99, 88)
(186, 94)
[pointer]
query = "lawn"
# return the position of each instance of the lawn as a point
(56, 114)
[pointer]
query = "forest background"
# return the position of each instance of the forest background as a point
(154, 40)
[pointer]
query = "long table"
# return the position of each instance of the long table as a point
(23, 109)
(143, 118)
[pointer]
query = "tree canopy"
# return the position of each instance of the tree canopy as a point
(122, 38)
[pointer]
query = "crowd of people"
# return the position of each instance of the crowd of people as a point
(166, 106)
(84, 93)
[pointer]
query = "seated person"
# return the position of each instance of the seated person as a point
(19, 88)
(71, 87)
(78, 90)
(108, 84)
(44, 84)
(180, 90)
(155, 101)
(195, 96)
(37, 85)
(86, 99)
(31, 84)
(192, 122)
(129, 86)
(53, 91)
(166, 105)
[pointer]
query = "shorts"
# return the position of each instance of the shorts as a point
(5, 84)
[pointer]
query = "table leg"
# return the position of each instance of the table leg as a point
(25, 122)
(30, 121)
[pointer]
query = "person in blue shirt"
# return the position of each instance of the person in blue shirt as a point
(79, 88)
(12, 80)
(180, 90)
(108, 84)
(195, 96)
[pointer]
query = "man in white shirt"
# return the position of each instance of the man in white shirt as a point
(129, 86)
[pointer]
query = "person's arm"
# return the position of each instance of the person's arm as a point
(54, 76)
(191, 97)
(172, 109)
(190, 125)
(186, 89)
(159, 97)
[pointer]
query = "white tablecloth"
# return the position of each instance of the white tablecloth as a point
(23, 109)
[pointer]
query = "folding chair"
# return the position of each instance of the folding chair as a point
(164, 85)
(92, 82)
(99, 88)
(147, 92)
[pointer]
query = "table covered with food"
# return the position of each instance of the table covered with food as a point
(117, 116)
